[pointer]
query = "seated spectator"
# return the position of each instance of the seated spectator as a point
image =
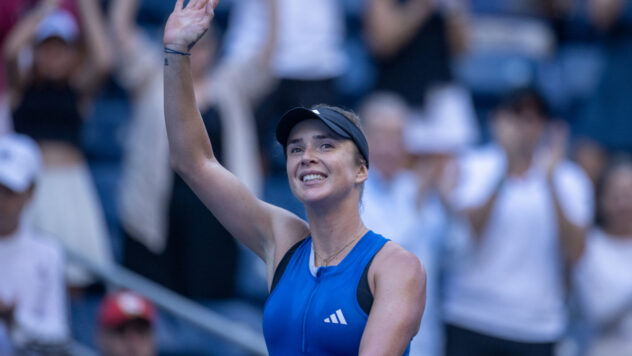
(527, 208)
(32, 289)
(126, 325)
(602, 277)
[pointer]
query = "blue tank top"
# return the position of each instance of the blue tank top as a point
(319, 315)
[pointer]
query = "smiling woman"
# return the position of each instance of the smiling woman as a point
(335, 286)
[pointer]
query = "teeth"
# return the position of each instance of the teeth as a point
(311, 177)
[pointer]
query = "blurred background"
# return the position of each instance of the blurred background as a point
(500, 135)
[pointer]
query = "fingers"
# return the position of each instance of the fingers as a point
(196, 4)
(210, 7)
(179, 5)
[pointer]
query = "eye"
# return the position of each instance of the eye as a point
(295, 149)
(326, 146)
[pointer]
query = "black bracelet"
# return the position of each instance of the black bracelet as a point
(173, 51)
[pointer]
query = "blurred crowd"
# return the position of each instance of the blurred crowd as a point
(500, 135)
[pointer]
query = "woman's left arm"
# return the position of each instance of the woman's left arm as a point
(398, 282)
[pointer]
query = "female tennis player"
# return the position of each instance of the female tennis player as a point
(336, 288)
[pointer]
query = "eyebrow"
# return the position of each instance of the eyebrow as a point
(323, 137)
(315, 137)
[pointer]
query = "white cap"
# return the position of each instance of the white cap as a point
(57, 24)
(447, 125)
(20, 162)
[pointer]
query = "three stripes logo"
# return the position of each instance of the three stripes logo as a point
(336, 318)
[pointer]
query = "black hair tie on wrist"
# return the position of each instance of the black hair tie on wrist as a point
(173, 51)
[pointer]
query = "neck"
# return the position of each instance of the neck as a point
(520, 165)
(333, 228)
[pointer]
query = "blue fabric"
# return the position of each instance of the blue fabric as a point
(302, 314)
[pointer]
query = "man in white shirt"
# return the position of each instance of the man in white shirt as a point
(527, 210)
(32, 289)
(402, 204)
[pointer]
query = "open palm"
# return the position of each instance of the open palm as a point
(186, 25)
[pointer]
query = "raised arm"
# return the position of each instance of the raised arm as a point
(239, 84)
(99, 57)
(122, 22)
(20, 37)
(137, 57)
(267, 230)
(390, 25)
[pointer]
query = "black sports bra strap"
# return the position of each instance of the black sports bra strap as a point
(278, 273)
(363, 293)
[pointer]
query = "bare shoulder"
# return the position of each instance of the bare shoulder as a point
(393, 263)
(288, 229)
(394, 258)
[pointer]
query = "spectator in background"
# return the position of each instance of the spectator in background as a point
(32, 290)
(49, 100)
(602, 277)
(527, 208)
(606, 120)
(410, 41)
(414, 42)
(401, 203)
(126, 325)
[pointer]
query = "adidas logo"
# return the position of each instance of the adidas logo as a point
(336, 318)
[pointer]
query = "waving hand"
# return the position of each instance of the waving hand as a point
(186, 25)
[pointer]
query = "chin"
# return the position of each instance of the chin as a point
(311, 198)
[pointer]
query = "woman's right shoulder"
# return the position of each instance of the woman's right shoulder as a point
(287, 230)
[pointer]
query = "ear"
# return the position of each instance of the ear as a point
(362, 174)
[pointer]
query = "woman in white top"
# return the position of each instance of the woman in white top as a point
(603, 278)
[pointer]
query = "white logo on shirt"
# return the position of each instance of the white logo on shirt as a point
(336, 318)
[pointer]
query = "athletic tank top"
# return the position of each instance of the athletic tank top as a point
(49, 111)
(319, 315)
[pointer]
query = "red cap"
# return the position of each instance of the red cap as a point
(121, 307)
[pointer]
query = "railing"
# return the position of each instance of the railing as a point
(177, 305)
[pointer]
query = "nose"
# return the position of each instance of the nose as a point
(308, 157)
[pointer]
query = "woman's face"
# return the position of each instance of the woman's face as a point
(321, 165)
(519, 133)
(54, 59)
(616, 199)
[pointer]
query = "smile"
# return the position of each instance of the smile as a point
(312, 177)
